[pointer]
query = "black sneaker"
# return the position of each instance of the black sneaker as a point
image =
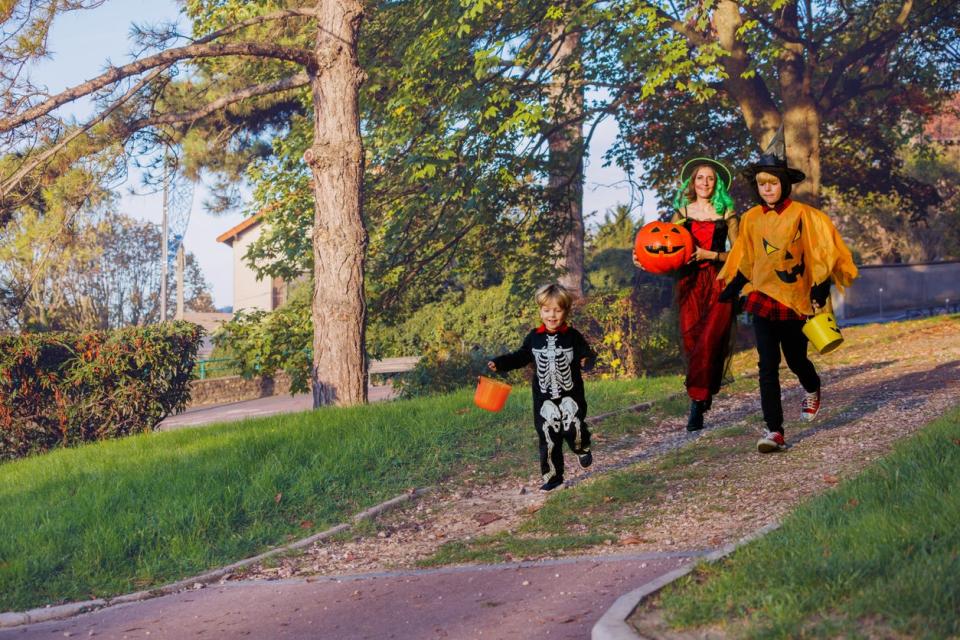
(695, 421)
(585, 460)
(551, 484)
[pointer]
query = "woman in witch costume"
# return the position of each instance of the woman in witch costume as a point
(703, 205)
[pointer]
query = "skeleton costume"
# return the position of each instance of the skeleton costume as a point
(559, 406)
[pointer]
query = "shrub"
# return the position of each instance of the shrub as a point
(263, 343)
(457, 337)
(63, 389)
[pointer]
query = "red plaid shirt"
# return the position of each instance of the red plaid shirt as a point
(760, 304)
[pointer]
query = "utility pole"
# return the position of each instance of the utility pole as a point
(181, 265)
(164, 231)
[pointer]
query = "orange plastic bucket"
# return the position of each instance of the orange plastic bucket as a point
(491, 394)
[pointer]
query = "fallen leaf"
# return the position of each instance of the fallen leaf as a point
(609, 499)
(306, 524)
(830, 479)
(460, 412)
(630, 540)
(277, 498)
(533, 508)
(852, 502)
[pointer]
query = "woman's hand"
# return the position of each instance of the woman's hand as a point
(700, 253)
(491, 366)
(636, 262)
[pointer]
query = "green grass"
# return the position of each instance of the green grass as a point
(507, 547)
(881, 552)
(128, 514)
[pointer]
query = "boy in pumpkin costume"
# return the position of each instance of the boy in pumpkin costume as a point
(784, 260)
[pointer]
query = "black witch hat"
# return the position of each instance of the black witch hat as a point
(774, 161)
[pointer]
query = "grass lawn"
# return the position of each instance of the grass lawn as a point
(124, 515)
(879, 556)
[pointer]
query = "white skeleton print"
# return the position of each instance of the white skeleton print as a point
(551, 415)
(553, 368)
(569, 408)
(551, 420)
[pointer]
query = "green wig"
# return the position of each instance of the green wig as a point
(721, 200)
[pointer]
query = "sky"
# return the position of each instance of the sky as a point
(83, 41)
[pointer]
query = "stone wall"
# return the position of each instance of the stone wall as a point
(236, 389)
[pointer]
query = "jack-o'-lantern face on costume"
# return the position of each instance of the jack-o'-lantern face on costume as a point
(662, 247)
(786, 257)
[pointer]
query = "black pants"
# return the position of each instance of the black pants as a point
(772, 336)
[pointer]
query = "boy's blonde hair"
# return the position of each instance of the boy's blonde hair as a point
(554, 293)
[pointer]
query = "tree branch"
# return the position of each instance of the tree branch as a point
(874, 46)
(32, 163)
(200, 50)
(284, 84)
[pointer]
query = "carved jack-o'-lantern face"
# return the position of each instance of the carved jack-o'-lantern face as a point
(787, 255)
(662, 247)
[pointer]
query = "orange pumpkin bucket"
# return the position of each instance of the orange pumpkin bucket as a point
(491, 394)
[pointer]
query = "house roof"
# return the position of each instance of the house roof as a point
(227, 237)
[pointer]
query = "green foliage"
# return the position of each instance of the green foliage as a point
(63, 389)
(83, 270)
(263, 343)
(609, 263)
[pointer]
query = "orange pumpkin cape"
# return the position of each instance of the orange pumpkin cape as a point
(784, 255)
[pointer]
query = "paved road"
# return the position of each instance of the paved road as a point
(557, 599)
(256, 408)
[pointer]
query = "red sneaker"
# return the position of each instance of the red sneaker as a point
(770, 442)
(810, 407)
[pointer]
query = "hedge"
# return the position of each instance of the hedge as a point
(63, 389)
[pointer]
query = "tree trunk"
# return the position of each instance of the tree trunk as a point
(801, 118)
(566, 156)
(339, 237)
(751, 93)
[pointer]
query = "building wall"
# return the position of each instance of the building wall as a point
(249, 292)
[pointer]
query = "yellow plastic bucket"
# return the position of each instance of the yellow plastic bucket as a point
(823, 332)
(491, 394)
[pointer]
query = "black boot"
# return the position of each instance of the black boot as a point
(697, 409)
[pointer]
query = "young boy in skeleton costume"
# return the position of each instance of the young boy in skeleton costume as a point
(559, 353)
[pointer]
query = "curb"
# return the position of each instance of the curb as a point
(43, 614)
(612, 625)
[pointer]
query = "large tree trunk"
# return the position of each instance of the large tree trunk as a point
(339, 236)
(751, 93)
(566, 156)
(801, 119)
